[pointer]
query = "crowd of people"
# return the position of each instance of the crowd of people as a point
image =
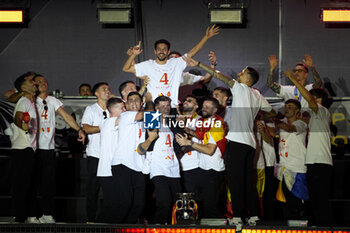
(217, 161)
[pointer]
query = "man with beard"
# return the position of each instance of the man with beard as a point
(93, 116)
(165, 75)
(47, 107)
(190, 161)
(211, 164)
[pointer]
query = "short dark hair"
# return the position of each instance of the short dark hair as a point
(84, 85)
(224, 91)
(320, 93)
(295, 102)
(97, 85)
(21, 79)
(123, 86)
(254, 74)
(194, 97)
(113, 101)
(161, 99)
(134, 93)
(303, 65)
(162, 41)
(175, 52)
(214, 101)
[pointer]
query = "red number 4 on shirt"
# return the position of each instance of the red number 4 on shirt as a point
(44, 114)
(168, 141)
(164, 79)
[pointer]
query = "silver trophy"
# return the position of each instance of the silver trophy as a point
(185, 210)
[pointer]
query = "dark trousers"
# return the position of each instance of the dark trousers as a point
(47, 179)
(209, 205)
(318, 179)
(23, 183)
(92, 189)
(294, 208)
(131, 194)
(191, 181)
(165, 189)
(110, 200)
(269, 193)
(240, 175)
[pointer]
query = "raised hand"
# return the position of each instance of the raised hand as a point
(212, 31)
(136, 50)
(212, 58)
(190, 61)
(273, 62)
(308, 60)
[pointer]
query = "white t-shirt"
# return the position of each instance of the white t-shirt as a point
(130, 136)
(93, 116)
(47, 121)
(190, 160)
(189, 79)
(108, 146)
(292, 148)
(164, 161)
(215, 161)
(319, 144)
(291, 92)
(164, 79)
(19, 139)
(246, 103)
(266, 151)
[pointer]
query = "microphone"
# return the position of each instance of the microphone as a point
(26, 119)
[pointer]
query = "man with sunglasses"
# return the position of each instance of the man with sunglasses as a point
(301, 71)
(93, 117)
(47, 107)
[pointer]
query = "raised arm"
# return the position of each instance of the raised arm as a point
(210, 32)
(144, 86)
(207, 77)
(305, 93)
(270, 83)
(227, 80)
(129, 65)
(309, 62)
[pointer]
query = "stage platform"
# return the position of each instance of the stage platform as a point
(68, 227)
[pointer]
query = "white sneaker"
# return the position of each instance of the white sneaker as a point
(32, 220)
(237, 221)
(47, 219)
(252, 221)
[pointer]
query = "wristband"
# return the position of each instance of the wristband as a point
(198, 63)
(192, 142)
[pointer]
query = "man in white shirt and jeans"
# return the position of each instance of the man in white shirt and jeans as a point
(93, 116)
(24, 144)
(240, 150)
